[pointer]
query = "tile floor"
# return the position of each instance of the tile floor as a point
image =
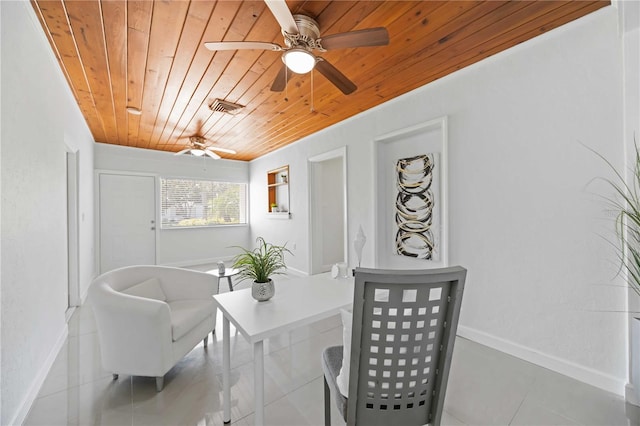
(486, 387)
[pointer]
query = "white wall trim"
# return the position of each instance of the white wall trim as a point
(37, 383)
(197, 262)
(584, 374)
(296, 272)
(630, 394)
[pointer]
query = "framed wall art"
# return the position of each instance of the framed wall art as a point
(411, 197)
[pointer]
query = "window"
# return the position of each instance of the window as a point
(193, 203)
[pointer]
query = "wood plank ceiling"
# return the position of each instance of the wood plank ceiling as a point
(150, 55)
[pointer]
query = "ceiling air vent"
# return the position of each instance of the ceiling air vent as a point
(220, 105)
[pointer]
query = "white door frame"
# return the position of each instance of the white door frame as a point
(336, 153)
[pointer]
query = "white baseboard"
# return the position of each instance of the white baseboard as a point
(584, 374)
(297, 272)
(197, 262)
(37, 383)
(631, 395)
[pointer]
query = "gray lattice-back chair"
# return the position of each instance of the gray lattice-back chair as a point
(404, 328)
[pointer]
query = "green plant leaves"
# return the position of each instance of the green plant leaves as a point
(627, 208)
(262, 262)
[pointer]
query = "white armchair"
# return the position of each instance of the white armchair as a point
(149, 317)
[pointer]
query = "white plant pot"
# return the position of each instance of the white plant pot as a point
(263, 291)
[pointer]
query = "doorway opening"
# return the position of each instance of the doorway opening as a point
(73, 287)
(328, 210)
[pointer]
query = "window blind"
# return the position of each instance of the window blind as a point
(193, 203)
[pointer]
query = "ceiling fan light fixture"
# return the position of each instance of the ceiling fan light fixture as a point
(197, 152)
(299, 60)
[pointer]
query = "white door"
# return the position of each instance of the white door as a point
(127, 221)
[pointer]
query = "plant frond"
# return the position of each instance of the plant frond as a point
(627, 222)
(262, 262)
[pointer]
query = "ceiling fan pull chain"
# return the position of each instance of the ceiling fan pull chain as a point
(286, 79)
(312, 109)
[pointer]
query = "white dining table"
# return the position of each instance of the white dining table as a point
(297, 302)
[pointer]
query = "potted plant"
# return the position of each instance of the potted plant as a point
(626, 205)
(259, 265)
(274, 207)
(627, 209)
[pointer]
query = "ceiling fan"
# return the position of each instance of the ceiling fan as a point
(302, 36)
(198, 147)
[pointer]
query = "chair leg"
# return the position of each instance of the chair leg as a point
(159, 383)
(115, 376)
(206, 340)
(327, 403)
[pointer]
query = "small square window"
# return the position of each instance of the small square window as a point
(409, 296)
(435, 293)
(381, 295)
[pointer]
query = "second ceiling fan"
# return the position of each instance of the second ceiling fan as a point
(302, 36)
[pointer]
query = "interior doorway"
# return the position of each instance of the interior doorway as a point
(328, 210)
(73, 287)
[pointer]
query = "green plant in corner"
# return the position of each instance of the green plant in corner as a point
(260, 263)
(627, 208)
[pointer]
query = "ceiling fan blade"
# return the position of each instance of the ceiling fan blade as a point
(283, 15)
(281, 79)
(212, 154)
(184, 151)
(236, 45)
(199, 144)
(360, 38)
(345, 85)
(215, 148)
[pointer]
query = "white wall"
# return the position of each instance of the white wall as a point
(182, 246)
(40, 122)
(523, 216)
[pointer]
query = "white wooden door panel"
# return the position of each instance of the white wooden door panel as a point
(127, 221)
